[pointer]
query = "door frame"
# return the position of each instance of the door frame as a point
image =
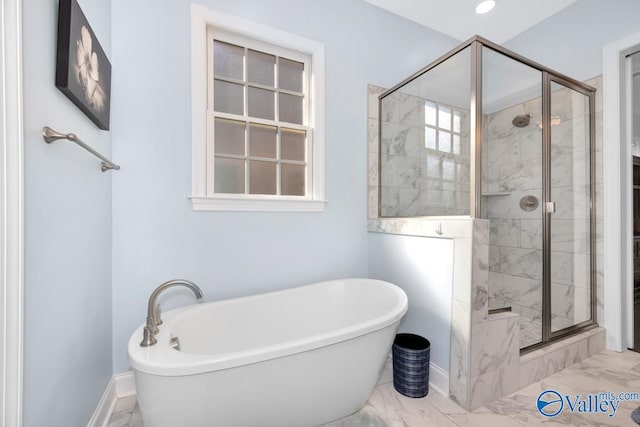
(617, 197)
(548, 335)
(11, 214)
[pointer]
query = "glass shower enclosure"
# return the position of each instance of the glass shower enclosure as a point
(484, 133)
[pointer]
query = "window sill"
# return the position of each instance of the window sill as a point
(256, 204)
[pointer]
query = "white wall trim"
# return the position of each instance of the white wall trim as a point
(11, 213)
(125, 384)
(438, 379)
(120, 385)
(236, 204)
(102, 414)
(617, 193)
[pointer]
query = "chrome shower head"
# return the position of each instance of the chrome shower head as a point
(522, 120)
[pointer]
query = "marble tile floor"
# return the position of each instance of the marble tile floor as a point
(606, 371)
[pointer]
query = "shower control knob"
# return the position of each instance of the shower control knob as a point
(529, 203)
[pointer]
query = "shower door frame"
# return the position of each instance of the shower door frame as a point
(548, 76)
(548, 335)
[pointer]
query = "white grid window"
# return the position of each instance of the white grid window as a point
(447, 158)
(259, 141)
(442, 128)
(257, 116)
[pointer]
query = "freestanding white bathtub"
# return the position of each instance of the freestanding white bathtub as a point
(299, 357)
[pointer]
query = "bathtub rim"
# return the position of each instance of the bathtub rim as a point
(160, 359)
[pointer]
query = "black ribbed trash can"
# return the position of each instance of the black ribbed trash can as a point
(411, 365)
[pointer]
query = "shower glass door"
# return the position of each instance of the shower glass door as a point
(569, 214)
(512, 188)
(536, 193)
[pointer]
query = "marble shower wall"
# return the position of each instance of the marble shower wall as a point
(512, 169)
(494, 341)
(419, 176)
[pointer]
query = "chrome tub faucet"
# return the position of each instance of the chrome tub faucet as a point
(153, 310)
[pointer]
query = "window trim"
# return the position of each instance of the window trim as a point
(203, 18)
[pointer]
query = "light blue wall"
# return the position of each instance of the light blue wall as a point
(67, 355)
(571, 41)
(423, 268)
(158, 237)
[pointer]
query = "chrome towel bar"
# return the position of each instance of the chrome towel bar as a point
(51, 135)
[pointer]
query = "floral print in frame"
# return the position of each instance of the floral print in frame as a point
(83, 71)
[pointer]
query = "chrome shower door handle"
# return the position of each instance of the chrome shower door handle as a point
(550, 207)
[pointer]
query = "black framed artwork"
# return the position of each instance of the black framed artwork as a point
(83, 71)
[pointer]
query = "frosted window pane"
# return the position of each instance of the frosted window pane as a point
(292, 182)
(227, 60)
(448, 170)
(433, 166)
(261, 103)
(228, 97)
(430, 113)
(229, 137)
(261, 68)
(456, 122)
(290, 75)
(290, 108)
(444, 141)
(456, 144)
(292, 144)
(262, 141)
(444, 118)
(229, 175)
(462, 172)
(430, 138)
(262, 177)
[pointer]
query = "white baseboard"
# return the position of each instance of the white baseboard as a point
(120, 385)
(438, 379)
(102, 414)
(125, 384)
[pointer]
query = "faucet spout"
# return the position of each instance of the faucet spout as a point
(153, 309)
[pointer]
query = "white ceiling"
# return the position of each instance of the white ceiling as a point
(458, 19)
